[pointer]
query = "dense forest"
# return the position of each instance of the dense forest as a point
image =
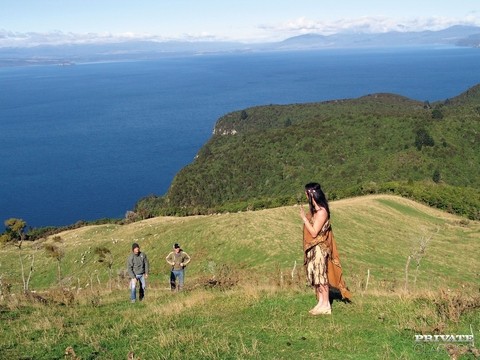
(262, 156)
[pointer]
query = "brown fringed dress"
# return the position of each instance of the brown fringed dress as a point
(316, 258)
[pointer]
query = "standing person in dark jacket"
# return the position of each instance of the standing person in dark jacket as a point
(137, 267)
(178, 259)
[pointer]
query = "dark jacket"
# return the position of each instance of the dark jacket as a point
(137, 264)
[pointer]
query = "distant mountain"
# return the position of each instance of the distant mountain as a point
(470, 41)
(145, 50)
(455, 36)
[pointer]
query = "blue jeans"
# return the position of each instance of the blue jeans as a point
(174, 276)
(133, 287)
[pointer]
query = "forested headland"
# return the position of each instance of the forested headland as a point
(261, 157)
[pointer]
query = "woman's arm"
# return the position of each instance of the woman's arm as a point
(319, 219)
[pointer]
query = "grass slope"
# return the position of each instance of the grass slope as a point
(259, 307)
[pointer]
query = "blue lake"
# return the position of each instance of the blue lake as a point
(87, 141)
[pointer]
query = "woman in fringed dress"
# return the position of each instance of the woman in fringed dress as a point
(320, 254)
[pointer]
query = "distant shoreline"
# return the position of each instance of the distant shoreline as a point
(34, 61)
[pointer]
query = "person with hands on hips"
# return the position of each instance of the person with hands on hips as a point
(178, 259)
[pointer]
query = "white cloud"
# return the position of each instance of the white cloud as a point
(203, 36)
(30, 39)
(302, 25)
(17, 39)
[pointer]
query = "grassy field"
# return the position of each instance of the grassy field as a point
(245, 294)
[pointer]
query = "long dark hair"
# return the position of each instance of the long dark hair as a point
(314, 191)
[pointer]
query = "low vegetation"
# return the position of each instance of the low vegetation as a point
(245, 294)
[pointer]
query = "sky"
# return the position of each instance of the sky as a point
(31, 22)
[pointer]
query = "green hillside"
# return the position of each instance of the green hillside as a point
(261, 157)
(246, 296)
(262, 239)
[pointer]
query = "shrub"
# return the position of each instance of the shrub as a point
(423, 138)
(437, 114)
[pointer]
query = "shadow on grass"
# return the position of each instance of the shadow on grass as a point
(335, 295)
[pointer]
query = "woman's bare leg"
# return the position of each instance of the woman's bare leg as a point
(318, 295)
(325, 294)
(323, 306)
